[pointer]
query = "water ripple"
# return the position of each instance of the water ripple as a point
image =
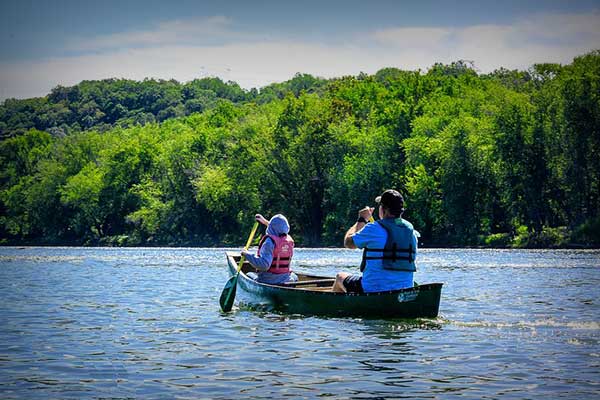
(145, 323)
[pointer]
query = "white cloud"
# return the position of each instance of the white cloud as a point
(172, 51)
(413, 37)
(560, 28)
(176, 32)
(251, 65)
(535, 39)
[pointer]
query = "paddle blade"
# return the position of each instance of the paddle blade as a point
(228, 294)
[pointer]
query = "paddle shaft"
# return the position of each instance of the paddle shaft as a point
(248, 243)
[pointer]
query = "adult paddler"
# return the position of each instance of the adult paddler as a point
(389, 248)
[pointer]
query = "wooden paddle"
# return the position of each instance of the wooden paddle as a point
(228, 294)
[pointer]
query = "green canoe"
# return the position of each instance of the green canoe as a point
(312, 295)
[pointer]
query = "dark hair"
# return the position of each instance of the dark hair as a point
(392, 200)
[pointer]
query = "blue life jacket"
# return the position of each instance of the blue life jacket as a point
(398, 254)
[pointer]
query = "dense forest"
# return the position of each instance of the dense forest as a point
(506, 159)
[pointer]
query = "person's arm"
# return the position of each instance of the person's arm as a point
(348, 242)
(262, 263)
(261, 219)
(366, 214)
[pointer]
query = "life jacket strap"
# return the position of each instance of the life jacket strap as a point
(277, 264)
(393, 258)
(409, 249)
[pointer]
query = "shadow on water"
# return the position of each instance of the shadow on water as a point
(368, 325)
(390, 327)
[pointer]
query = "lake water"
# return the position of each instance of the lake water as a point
(83, 323)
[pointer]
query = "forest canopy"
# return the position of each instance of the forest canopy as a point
(508, 158)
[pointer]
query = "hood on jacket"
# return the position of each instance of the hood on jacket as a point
(278, 225)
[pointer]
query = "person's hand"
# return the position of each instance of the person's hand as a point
(366, 212)
(245, 253)
(261, 219)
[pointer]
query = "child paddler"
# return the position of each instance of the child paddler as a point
(275, 252)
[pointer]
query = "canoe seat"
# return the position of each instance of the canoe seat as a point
(315, 282)
(320, 289)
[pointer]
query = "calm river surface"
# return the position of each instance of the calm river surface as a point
(83, 323)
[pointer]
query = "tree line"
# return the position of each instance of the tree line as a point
(102, 105)
(503, 159)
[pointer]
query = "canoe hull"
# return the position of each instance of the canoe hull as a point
(420, 302)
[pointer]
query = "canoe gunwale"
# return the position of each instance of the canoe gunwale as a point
(231, 257)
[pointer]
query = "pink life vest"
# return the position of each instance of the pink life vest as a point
(282, 253)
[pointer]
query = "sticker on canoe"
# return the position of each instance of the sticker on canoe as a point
(407, 296)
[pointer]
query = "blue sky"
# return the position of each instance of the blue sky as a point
(47, 43)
